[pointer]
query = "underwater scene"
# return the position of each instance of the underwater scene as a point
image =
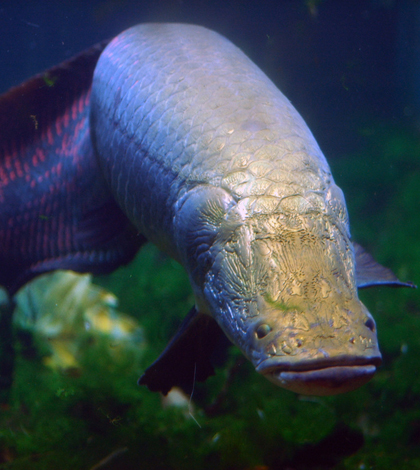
(87, 304)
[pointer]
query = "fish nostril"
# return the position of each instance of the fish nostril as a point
(369, 323)
(263, 330)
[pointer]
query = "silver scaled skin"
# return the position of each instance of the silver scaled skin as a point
(212, 163)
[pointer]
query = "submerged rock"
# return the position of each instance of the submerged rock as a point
(69, 313)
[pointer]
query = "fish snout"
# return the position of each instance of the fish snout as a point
(317, 360)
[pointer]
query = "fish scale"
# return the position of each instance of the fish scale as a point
(235, 90)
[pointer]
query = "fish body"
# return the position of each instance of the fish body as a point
(212, 163)
(207, 159)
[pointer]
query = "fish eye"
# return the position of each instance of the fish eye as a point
(263, 330)
(369, 323)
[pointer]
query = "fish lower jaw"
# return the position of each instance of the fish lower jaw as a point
(322, 381)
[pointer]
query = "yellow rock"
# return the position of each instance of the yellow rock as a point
(66, 310)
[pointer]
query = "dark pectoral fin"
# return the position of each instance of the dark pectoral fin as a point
(56, 211)
(187, 356)
(369, 273)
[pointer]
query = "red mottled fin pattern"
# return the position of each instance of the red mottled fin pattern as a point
(55, 209)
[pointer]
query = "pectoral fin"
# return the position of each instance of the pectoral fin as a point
(186, 358)
(369, 273)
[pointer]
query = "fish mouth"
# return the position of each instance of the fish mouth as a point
(321, 378)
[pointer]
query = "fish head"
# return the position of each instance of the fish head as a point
(282, 287)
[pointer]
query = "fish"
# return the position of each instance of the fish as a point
(169, 133)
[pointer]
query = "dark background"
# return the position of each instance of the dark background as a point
(341, 63)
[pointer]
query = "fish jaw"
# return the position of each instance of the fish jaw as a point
(315, 351)
(314, 358)
(320, 381)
